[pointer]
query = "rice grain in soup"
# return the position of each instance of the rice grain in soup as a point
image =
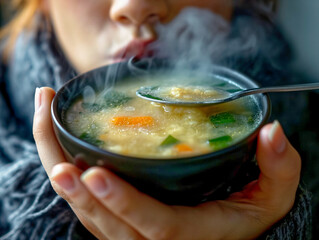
(118, 121)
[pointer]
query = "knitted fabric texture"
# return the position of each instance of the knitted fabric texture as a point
(29, 208)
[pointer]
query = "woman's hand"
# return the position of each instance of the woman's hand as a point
(112, 209)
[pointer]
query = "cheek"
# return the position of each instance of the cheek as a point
(79, 25)
(79, 13)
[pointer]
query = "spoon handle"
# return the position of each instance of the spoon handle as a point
(288, 88)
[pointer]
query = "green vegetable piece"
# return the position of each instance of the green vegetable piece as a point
(93, 107)
(222, 118)
(170, 140)
(115, 99)
(111, 99)
(85, 136)
(250, 120)
(220, 142)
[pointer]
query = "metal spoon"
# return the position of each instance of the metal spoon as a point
(151, 93)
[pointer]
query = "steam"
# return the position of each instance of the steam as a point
(88, 95)
(201, 39)
(194, 36)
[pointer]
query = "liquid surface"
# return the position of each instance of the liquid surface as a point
(118, 121)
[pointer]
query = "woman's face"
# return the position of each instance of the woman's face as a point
(93, 33)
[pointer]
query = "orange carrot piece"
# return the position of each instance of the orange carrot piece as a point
(128, 121)
(183, 148)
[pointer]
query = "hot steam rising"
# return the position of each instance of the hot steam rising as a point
(201, 39)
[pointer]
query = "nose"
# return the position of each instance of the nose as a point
(138, 12)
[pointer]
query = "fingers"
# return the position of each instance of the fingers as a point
(102, 223)
(280, 167)
(89, 225)
(151, 218)
(112, 209)
(65, 178)
(49, 150)
(265, 201)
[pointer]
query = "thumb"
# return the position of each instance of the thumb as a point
(48, 147)
(280, 166)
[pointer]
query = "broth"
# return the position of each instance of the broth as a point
(118, 121)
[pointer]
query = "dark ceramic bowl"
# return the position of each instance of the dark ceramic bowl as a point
(185, 181)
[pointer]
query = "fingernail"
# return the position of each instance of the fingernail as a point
(37, 99)
(97, 183)
(64, 180)
(277, 138)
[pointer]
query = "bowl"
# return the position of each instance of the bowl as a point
(188, 180)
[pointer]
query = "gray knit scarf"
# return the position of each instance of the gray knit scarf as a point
(29, 208)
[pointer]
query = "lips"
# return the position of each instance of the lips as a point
(136, 48)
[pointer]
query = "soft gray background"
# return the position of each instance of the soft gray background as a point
(300, 22)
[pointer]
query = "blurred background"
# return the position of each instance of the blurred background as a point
(300, 23)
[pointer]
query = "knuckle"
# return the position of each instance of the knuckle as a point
(297, 165)
(84, 204)
(57, 189)
(291, 172)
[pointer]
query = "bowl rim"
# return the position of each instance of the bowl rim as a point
(90, 147)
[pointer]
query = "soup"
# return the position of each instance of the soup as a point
(118, 121)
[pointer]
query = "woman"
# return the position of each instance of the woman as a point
(51, 41)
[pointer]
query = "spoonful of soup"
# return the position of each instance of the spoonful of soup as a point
(197, 96)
